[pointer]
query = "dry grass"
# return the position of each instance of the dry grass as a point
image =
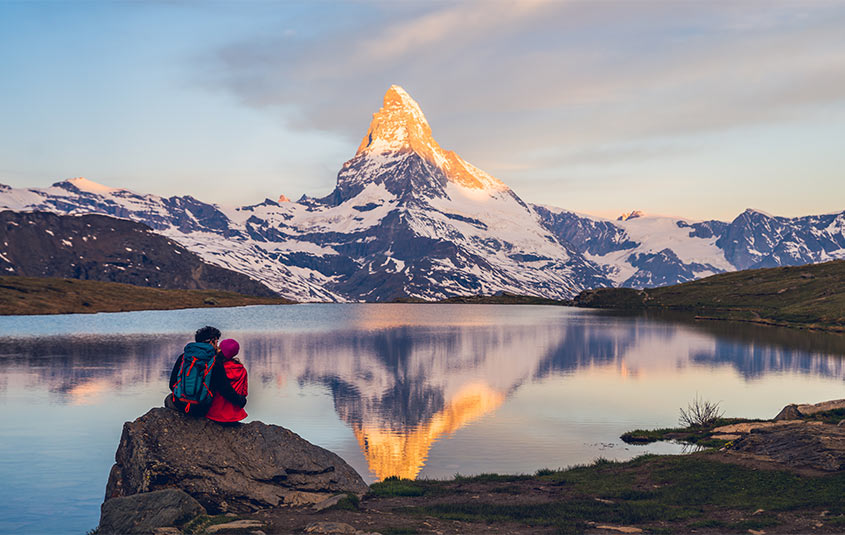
(31, 295)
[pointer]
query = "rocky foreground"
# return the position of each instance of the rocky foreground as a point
(170, 461)
(178, 475)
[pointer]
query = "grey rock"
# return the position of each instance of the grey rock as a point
(144, 513)
(815, 446)
(796, 412)
(808, 409)
(790, 412)
(237, 469)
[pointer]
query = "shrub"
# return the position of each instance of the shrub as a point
(700, 413)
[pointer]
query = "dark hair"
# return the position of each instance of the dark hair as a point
(206, 334)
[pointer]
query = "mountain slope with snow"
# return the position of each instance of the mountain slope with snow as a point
(647, 251)
(408, 218)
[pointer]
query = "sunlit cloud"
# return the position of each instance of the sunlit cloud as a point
(517, 77)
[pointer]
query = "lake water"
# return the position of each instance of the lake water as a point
(409, 390)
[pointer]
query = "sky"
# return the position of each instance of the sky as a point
(696, 109)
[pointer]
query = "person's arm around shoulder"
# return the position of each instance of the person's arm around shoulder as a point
(245, 379)
(220, 384)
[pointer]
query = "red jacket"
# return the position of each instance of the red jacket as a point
(222, 410)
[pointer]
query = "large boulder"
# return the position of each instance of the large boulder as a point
(239, 468)
(141, 514)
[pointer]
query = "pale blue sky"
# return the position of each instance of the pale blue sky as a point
(698, 109)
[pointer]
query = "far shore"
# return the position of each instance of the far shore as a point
(42, 296)
(810, 297)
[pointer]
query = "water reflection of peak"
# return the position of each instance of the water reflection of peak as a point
(402, 389)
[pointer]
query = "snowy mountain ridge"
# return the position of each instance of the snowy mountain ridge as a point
(410, 219)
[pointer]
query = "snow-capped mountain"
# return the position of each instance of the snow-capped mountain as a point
(639, 251)
(103, 248)
(410, 219)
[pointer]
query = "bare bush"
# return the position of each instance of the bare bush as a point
(700, 413)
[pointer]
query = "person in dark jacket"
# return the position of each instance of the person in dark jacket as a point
(219, 383)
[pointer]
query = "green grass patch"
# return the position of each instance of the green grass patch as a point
(394, 486)
(692, 481)
(545, 472)
(647, 436)
(834, 521)
(698, 435)
(829, 417)
(568, 516)
(603, 478)
(350, 502)
(491, 478)
(801, 296)
(683, 490)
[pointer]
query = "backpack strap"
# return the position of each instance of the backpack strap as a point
(209, 367)
(181, 368)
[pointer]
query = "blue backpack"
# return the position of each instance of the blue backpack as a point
(194, 375)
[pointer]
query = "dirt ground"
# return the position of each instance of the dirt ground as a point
(797, 468)
(388, 515)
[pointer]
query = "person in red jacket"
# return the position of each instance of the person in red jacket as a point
(222, 410)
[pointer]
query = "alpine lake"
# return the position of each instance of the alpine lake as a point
(413, 390)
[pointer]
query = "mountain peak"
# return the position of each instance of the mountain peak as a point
(401, 127)
(83, 184)
(753, 211)
(630, 215)
(396, 98)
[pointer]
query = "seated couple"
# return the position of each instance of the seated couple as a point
(207, 380)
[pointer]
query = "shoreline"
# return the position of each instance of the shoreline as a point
(734, 485)
(37, 296)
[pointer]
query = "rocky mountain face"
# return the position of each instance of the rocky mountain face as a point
(410, 219)
(96, 247)
(640, 251)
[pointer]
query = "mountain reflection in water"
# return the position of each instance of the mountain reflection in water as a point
(402, 387)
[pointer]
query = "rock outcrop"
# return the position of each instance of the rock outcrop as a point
(796, 412)
(236, 469)
(807, 445)
(143, 513)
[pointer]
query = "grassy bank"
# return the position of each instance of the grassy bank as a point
(697, 493)
(811, 296)
(30, 295)
(659, 494)
(697, 436)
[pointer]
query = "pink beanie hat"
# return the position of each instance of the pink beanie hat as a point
(229, 347)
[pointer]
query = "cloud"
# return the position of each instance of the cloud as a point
(526, 82)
